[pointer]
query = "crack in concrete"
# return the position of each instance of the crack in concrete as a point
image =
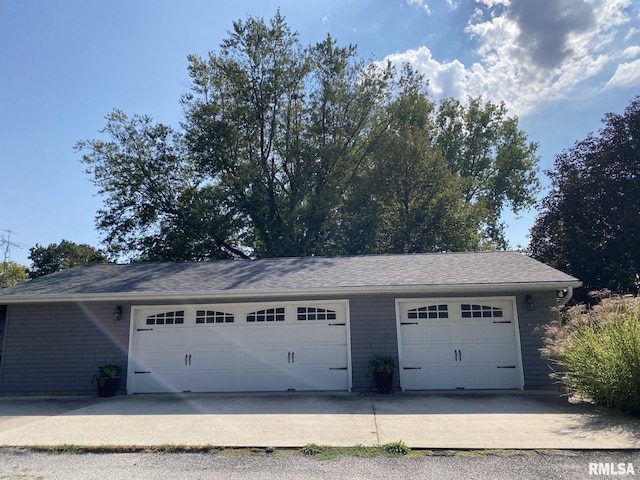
(375, 420)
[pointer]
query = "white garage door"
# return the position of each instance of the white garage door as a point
(239, 347)
(458, 344)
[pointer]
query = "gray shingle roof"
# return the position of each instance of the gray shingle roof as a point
(429, 272)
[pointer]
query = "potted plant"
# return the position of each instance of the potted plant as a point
(382, 367)
(107, 378)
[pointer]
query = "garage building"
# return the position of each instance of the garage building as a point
(452, 321)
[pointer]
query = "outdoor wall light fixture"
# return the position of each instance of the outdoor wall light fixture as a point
(117, 313)
(531, 305)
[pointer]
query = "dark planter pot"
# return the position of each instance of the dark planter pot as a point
(107, 386)
(384, 381)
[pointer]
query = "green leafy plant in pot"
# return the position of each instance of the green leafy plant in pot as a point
(107, 378)
(382, 367)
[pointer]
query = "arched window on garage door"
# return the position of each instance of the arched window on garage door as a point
(166, 318)
(267, 315)
(471, 310)
(315, 313)
(213, 316)
(429, 311)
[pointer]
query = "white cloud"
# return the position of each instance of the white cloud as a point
(533, 52)
(631, 33)
(493, 3)
(453, 4)
(631, 52)
(627, 75)
(446, 79)
(422, 4)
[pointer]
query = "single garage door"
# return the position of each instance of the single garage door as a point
(240, 347)
(459, 344)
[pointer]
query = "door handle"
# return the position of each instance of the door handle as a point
(456, 354)
(293, 360)
(460, 355)
(289, 358)
(189, 359)
(185, 359)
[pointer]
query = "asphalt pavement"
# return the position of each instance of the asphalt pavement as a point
(567, 465)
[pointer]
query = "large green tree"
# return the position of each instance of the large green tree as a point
(12, 273)
(407, 200)
(492, 157)
(157, 206)
(282, 130)
(589, 224)
(299, 150)
(58, 256)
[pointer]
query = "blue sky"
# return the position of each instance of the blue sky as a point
(559, 65)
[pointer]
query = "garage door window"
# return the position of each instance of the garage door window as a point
(430, 311)
(480, 311)
(212, 316)
(315, 313)
(166, 318)
(267, 315)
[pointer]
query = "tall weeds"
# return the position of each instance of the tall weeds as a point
(597, 350)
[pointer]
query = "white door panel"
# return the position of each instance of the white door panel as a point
(215, 337)
(430, 377)
(489, 353)
(319, 378)
(323, 333)
(489, 377)
(482, 331)
(437, 333)
(216, 358)
(223, 352)
(212, 380)
(160, 382)
(276, 334)
(427, 354)
(318, 357)
(458, 343)
(159, 339)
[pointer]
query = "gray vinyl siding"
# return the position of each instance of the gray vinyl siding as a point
(55, 348)
(536, 369)
(373, 332)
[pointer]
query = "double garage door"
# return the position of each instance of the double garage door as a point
(443, 344)
(458, 344)
(240, 347)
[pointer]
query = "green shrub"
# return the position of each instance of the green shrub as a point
(310, 449)
(68, 449)
(397, 448)
(598, 352)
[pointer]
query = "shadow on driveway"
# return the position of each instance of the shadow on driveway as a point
(405, 403)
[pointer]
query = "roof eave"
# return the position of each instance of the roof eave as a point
(248, 294)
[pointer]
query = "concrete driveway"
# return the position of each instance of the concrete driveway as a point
(466, 420)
